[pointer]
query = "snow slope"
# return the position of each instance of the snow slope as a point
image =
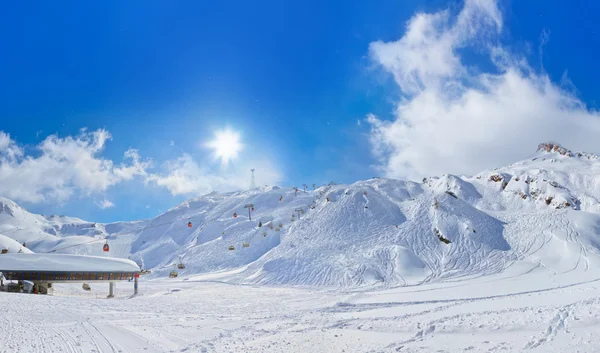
(541, 212)
(502, 261)
(45, 234)
(12, 246)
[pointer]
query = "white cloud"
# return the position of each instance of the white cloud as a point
(104, 204)
(5, 141)
(59, 168)
(451, 119)
(8, 148)
(185, 176)
(63, 166)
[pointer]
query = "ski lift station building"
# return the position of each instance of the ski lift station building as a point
(45, 269)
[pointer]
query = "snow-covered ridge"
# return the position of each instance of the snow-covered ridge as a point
(377, 232)
(557, 148)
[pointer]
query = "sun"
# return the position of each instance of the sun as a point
(226, 145)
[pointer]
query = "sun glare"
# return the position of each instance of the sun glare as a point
(226, 145)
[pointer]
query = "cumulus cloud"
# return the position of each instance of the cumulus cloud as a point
(104, 204)
(185, 176)
(61, 167)
(452, 118)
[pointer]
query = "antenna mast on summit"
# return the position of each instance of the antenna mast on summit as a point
(252, 184)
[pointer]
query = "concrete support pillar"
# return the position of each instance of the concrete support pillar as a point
(135, 285)
(111, 287)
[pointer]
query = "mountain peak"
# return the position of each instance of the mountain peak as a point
(554, 147)
(551, 147)
(8, 206)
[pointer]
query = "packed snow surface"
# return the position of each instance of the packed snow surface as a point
(65, 263)
(539, 311)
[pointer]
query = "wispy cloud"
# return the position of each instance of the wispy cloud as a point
(104, 204)
(186, 176)
(453, 119)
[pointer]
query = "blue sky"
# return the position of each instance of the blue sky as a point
(293, 79)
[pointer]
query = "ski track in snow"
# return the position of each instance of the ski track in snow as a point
(184, 316)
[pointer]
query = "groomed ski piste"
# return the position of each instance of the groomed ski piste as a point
(502, 261)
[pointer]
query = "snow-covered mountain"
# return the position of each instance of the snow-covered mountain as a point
(58, 233)
(542, 211)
